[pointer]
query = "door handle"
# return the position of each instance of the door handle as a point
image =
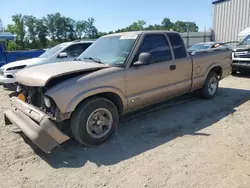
(172, 67)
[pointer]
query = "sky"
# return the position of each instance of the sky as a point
(111, 15)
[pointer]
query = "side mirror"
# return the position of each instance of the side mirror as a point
(62, 55)
(144, 59)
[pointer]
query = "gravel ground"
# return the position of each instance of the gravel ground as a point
(187, 142)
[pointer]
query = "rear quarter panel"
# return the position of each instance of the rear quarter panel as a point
(205, 61)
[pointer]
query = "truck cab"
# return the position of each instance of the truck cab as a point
(11, 56)
(3, 38)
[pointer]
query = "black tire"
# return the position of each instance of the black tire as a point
(81, 115)
(205, 89)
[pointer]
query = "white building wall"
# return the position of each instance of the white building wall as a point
(230, 17)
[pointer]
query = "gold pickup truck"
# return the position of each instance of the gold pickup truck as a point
(119, 73)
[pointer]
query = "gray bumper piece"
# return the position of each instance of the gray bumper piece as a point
(35, 124)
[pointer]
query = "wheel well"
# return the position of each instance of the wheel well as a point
(114, 98)
(217, 70)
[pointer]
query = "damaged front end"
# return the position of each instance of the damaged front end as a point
(37, 116)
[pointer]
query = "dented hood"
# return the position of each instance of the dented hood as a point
(40, 75)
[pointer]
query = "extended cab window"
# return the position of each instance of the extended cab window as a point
(157, 45)
(177, 45)
(76, 49)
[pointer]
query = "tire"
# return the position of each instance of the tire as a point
(85, 112)
(208, 91)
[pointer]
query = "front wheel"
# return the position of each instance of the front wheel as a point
(210, 86)
(94, 121)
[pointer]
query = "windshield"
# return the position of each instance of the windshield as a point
(199, 47)
(111, 50)
(52, 51)
(246, 41)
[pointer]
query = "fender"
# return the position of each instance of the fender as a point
(85, 94)
(210, 67)
(199, 81)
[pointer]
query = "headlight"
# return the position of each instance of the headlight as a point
(47, 102)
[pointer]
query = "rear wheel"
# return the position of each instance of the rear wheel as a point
(210, 88)
(94, 121)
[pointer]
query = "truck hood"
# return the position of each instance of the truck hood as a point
(40, 75)
(26, 62)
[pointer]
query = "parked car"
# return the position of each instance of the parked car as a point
(67, 51)
(241, 56)
(11, 56)
(119, 73)
(207, 45)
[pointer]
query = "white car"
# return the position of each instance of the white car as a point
(63, 52)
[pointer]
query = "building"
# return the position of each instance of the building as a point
(229, 18)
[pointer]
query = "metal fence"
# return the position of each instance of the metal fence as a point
(191, 38)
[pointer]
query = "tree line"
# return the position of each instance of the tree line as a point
(37, 33)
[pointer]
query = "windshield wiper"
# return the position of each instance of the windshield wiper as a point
(77, 59)
(94, 59)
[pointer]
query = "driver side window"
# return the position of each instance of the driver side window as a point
(157, 45)
(76, 49)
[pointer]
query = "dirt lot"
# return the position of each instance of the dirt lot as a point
(188, 142)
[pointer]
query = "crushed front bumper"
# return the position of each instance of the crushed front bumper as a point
(35, 124)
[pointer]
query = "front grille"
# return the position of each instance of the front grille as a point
(243, 54)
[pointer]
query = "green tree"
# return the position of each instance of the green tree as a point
(42, 32)
(49, 22)
(136, 26)
(80, 28)
(18, 28)
(70, 29)
(192, 27)
(90, 30)
(181, 27)
(31, 24)
(167, 24)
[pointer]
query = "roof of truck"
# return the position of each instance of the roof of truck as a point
(139, 32)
